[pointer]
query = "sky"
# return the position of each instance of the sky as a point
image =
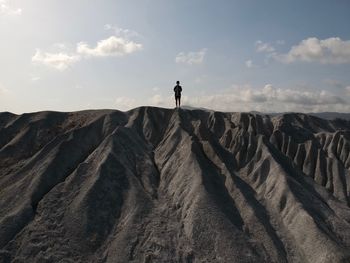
(229, 55)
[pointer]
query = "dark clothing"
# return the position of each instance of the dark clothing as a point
(177, 90)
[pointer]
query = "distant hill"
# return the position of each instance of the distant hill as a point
(332, 115)
(170, 185)
(323, 115)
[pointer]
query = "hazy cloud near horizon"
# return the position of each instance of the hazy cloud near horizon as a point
(246, 98)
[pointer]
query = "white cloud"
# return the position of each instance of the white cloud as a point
(191, 58)
(245, 98)
(108, 27)
(6, 9)
(328, 51)
(59, 61)
(62, 57)
(250, 64)
(112, 46)
(264, 47)
(121, 32)
(125, 103)
(157, 100)
(268, 99)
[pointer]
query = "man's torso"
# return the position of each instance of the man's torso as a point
(178, 90)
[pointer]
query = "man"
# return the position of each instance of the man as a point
(177, 90)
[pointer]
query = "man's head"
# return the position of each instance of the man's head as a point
(177, 82)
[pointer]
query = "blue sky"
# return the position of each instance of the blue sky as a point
(237, 55)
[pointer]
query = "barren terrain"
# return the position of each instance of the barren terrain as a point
(161, 185)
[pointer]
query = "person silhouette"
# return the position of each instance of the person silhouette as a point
(178, 90)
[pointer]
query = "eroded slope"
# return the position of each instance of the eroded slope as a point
(158, 185)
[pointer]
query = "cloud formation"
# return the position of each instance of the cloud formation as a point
(263, 47)
(328, 51)
(191, 58)
(6, 9)
(244, 98)
(274, 99)
(112, 46)
(265, 99)
(125, 103)
(121, 32)
(249, 64)
(59, 61)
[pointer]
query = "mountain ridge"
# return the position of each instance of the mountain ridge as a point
(322, 115)
(164, 185)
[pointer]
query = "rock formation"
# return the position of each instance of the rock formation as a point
(161, 185)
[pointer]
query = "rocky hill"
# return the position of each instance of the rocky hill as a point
(161, 185)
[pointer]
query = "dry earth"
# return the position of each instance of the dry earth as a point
(159, 185)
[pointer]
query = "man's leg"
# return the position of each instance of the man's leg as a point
(179, 101)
